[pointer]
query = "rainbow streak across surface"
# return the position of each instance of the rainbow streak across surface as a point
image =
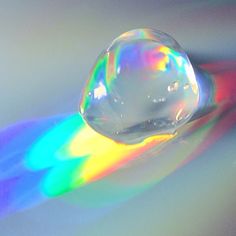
(79, 155)
(47, 158)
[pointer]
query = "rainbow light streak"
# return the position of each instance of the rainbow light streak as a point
(66, 157)
(41, 159)
(78, 155)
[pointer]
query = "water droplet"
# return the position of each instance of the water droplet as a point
(145, 69)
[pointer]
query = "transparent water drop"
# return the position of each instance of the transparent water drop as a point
(143, 84)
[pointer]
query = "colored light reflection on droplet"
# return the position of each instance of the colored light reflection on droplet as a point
(138, 86)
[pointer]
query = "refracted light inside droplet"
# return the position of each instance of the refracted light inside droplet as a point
(143, 84)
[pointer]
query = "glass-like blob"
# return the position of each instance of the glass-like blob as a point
(143, 84)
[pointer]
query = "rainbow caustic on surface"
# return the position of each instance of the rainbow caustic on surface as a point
(142, 85)
(74, 155)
